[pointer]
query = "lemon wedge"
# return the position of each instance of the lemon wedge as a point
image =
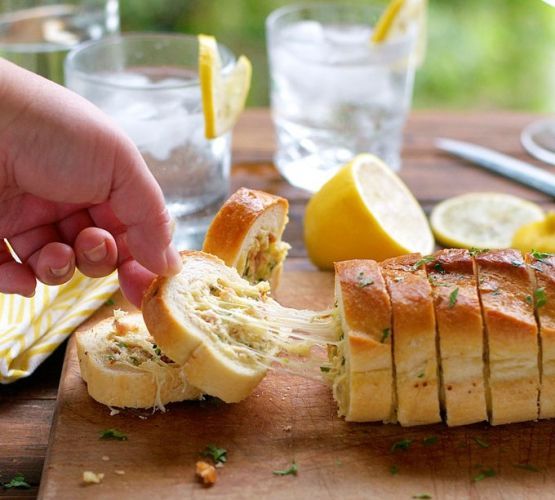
(539, 236)
(364, 211)
(223, 96)
(398, 18)
(482, 220)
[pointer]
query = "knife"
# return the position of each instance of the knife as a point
(501, 164)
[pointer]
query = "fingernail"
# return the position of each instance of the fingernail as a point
(172, 227)
(173, 260)
(62, 271)
(96, 254)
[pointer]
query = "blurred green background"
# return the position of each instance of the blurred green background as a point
(482, 54)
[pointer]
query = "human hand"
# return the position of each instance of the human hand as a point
(74, 191)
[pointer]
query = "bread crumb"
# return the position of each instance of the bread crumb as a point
(105, 458)
(113, 412)
(287, 428)
(90, 477)
(119, 472)
(206, 473)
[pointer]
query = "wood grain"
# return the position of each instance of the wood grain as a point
(286, 419)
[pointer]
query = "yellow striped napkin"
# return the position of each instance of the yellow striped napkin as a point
(31, 329)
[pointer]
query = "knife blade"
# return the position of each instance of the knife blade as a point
(501, 164)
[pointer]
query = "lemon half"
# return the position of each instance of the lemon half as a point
(364, 211)
(223, 96)
(482, 220)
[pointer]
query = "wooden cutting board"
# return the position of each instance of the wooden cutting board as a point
(286, 419)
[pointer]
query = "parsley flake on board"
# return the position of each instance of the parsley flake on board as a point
(430, 440)
(453, 297)
(364, 281)
(17, 482)
(404, 445)
(219, 455)
(540, 297)
(528, 467)
(481, 443)
(109, 302)
(394, 470)
(290, 471)
(424, 260)
(423, 496)
(385, 335)
(484, 473)
(325, 369)
(113, 434)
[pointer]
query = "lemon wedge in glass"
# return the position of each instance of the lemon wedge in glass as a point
(539, 236)
(399, 17)
(364, 211)
(223, 95)
(482, 220)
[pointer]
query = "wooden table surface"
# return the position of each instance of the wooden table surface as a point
(26, 407)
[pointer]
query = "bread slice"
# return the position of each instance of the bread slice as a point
(414, 340)
(363, 385)
(460, 331)
(543, 267)
(506, 297)
(123, 367)
(246, 234)
(212, 322)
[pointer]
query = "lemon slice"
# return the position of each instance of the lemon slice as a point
(223, 96)
(539, 236)
(482, 220)
(398, 18)
(364, 211)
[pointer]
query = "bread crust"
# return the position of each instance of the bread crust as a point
(230, 228)
(366, 324)
(460, 330)
(124, 387)
(512, 335)
(544, 271)
(414, 340)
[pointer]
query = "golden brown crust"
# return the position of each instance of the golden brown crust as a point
(367, 328)
(229, 228)
(544, 270)
(460, 330)
(414, 340)
(512, 335)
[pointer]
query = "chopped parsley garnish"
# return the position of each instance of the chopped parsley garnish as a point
(113, 434)
(517, 263)
(325, 369)
(481, 443)
(540, 297)
(134, 360)
(394, 470)
(496, 292)
(430, 440)
(18, 482)
(385, 335)
(364, 281)
(435, 282)
(219, 455)
(477, 251)
(453, 297)
(109, 302)
(290, 471)
(528, 467)
(484, 473)
(422, 261)
(157, 350)
(539, 255)
(420, 375)
(404, 445)
(528, 299)
(121, 345)
(439, 268)
(423, 496)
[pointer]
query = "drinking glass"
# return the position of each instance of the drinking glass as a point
(149, 85)
(335, 93)
(37, 34)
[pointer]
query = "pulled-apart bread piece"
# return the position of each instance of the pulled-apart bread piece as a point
(123, 366)
(460, 330)
(414, 340)
(246, 234)
(543, 265)
(363, 368)
(506, 296)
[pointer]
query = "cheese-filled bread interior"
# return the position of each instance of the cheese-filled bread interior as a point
(543, 267)
(414, 340)
(246, 234)
(506, 295)
(123, 366)
(461, 338)
(363, 385)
